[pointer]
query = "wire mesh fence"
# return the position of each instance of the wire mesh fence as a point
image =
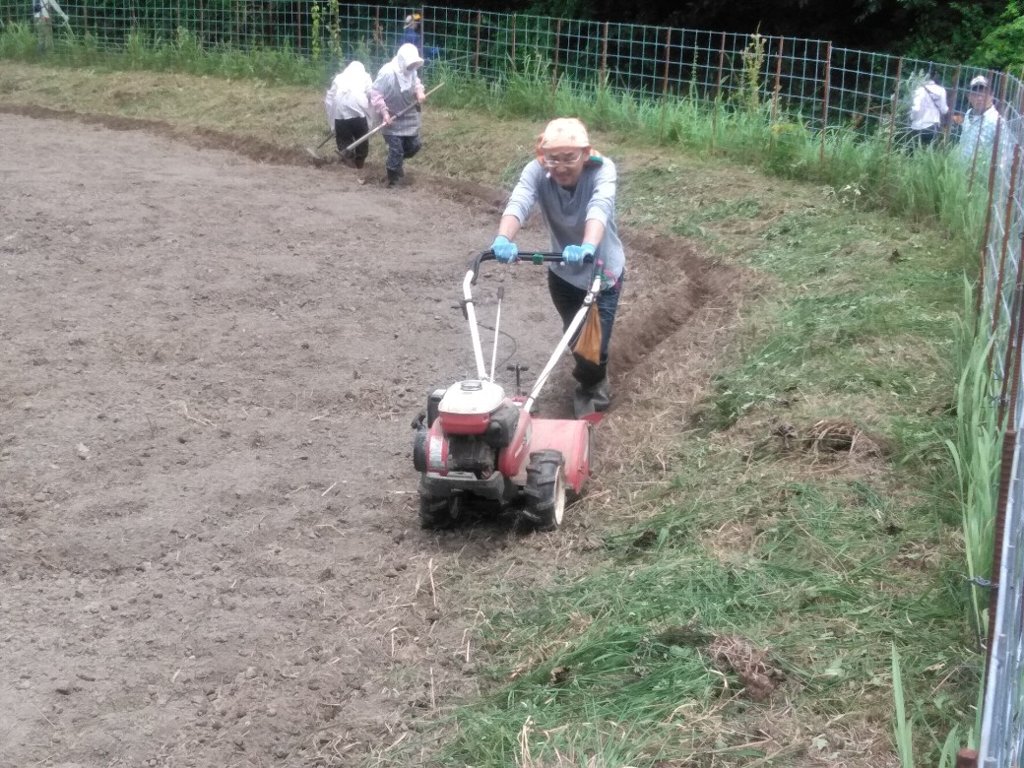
(828, 86)
(829, 90)
(1002, 302)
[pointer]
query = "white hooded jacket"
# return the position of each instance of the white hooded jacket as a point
(397, 88)
(349, 95)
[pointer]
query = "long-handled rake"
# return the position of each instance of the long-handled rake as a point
(315, 153)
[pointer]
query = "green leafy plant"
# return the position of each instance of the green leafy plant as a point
(334, 10)
(748, 97)
(315, 42)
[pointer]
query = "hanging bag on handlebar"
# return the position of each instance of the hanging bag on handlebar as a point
(588, 340)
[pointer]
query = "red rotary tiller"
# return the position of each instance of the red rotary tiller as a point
(476, 442)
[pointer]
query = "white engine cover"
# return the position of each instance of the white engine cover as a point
(471, 396)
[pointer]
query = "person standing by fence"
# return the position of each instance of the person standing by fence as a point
(42, 15)
(979, 123)
(928, 111)
(412, 33)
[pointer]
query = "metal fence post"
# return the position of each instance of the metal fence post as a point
(1003, 247)
(602, 72)
(951, 101)
(777, 87)
(476, 51)
(824, 101)
(1008, 390)
(983, 249)
(892, 106)
(554, 77)
(718, 92)
(664, 83)
(721, 64)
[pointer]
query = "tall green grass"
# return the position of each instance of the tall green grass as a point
(143, 51)
(976, 454)
(925, 184)
(903, 727)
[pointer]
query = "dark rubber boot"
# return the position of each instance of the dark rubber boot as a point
(593, 399)
(393, 177)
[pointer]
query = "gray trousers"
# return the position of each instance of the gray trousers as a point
(399, 148)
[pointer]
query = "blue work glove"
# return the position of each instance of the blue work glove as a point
(574, 254)
(504, 249)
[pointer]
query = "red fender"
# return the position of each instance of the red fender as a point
(569, 437)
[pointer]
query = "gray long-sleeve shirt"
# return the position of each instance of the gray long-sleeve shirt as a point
(566, 212)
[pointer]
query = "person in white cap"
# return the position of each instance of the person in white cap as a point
(574, 187)
(396, 88)
(979, 123)
(411, 31)
(928, 110)
(347, 103)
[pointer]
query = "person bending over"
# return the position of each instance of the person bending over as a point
(348, 112)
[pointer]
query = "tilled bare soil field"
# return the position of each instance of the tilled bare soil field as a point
(209, 551)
